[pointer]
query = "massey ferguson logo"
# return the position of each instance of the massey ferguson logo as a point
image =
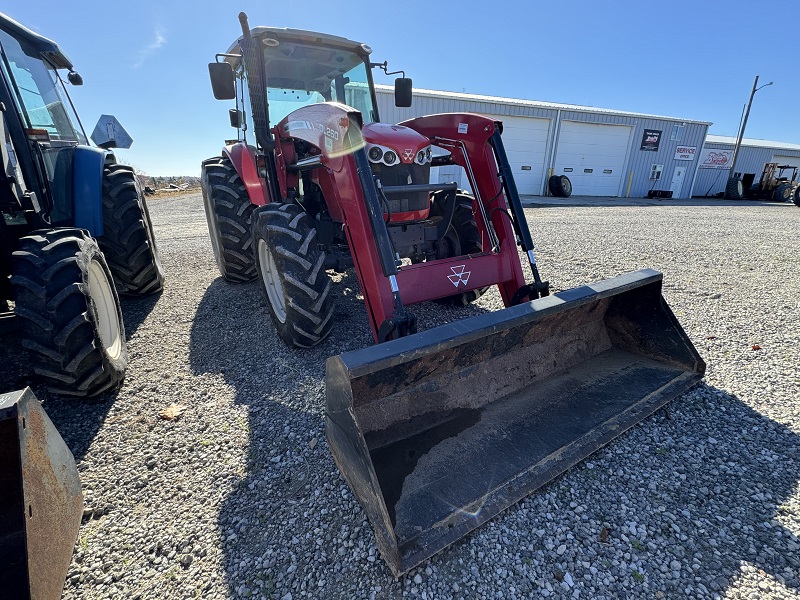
(460, 275)
(408, 154)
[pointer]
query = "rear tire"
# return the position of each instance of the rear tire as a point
(69, 313)
(782, 193)
(462, 237)
(560, 186)
(292, 274)
(229, 214)
(128, 242)
(734, 190)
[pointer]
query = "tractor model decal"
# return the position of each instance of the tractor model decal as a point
(408, 154)
(460, 275)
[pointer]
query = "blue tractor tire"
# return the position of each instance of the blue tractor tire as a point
(128, 241)
(68, 310)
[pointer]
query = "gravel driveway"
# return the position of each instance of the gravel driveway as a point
(239, 497)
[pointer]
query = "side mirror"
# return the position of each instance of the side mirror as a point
(222, 80)
(75, 78)
(402, 92)
(237, 118)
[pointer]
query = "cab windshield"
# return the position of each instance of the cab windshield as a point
(40, 93)
(299, 75)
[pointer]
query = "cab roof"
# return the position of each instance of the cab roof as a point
(35, 45)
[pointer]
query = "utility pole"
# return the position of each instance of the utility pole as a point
(744, 124)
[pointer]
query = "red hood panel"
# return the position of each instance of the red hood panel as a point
(406, 142)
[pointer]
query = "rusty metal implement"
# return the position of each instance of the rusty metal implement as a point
(40, 501)
(437, 432)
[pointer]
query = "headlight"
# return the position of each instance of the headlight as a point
(375, 153)
(389, 157)
(423, 156)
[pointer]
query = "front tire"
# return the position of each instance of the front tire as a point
(292, 274)
(128, 241)
(797, 196)
(229, 213)
(69, 313)
(734, 190)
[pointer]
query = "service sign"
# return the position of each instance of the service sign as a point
(712, 158)
(685, 152)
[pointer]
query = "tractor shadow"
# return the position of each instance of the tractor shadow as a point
(289, 473)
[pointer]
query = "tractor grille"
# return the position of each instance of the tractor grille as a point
(402, 174)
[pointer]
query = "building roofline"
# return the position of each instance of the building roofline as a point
(750, 142)
(541, 104)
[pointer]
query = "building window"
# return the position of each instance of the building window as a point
(588, 170)
(677, 133)
(567, 169)
(655, 172)
(608, 171)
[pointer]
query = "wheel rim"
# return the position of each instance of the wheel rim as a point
(272, 281)
(105, 308)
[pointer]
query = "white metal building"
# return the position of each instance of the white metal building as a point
(714, 161)
(604, 152)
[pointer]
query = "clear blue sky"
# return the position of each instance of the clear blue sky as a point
(145, 61)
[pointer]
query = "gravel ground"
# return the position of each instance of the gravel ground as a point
(240, 497)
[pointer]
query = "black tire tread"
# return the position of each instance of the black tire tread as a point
(560, 186)
(226, 201)
(53, 305)
(306, 285)
(128, 241)
(466, 229)
(733, 189)
(782, 193)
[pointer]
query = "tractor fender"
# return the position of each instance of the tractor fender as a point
(87, 186)
(243, 159)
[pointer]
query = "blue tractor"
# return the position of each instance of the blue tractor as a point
(75, 231)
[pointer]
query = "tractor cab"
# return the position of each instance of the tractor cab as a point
(45, 134)
(299, 68)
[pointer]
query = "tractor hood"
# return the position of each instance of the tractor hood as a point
(405, 142)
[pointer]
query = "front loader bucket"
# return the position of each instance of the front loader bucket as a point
(41, 504)
(437, 432)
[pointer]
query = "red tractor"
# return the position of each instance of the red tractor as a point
(330, 187)
(315, 183)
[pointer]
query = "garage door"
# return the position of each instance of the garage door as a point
(592, 156)
(525, 141)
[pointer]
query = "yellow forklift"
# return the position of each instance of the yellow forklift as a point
(775, 184)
